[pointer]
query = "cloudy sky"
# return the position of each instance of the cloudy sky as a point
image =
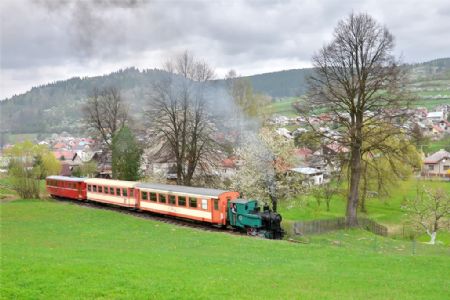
(48, 40)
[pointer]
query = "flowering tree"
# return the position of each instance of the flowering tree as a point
(429, 210)
(266, 158)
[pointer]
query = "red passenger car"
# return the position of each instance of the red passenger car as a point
(66, 187)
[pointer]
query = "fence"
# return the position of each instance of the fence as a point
(321, 226)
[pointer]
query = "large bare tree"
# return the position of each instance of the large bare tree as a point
(357, 81)
(179, 116)
(105, 113)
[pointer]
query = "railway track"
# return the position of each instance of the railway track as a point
(156, 217)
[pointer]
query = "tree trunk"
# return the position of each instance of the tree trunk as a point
(432, 237)
(364, 192)
(355, 176)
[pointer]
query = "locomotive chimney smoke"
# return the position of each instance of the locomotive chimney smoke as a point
(93, 25)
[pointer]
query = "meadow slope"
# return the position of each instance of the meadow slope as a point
(57, 250)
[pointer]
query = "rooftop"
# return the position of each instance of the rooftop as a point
(437, 157)
(435, 114)
(307, 170)
(66, 178)
(168, 188)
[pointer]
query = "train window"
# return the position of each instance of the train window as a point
(172, 199)
(111, 191)
(106, 190)
(204, 203)
(100, 189)
(144, 196)
(117, 192)
(89, 187)
(94, 188)
(162, 198)
(181, 201)
(153, 197)
(124, 192)
(192, 202)
(216, 204)
(131, 193)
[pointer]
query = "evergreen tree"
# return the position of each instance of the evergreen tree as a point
(126, 155)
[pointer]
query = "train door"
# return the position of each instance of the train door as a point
(216, 211)
(79, 190)
(131, 197)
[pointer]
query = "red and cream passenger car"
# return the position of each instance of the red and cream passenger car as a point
(66, 187)
(117, 192)
(206, 205)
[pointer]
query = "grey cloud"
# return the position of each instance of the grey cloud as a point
(238, 34)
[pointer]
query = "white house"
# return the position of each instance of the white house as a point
(436, 116)
(313, 176)
(437, 164)
(284, 132)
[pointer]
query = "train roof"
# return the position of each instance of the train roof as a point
(111, 182)
(242, 201)
(178, 189)
(66, 178)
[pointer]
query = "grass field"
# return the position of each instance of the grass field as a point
(283, 107)
(57, 250)
(434, 146)
(385, 211)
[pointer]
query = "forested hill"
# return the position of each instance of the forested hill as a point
(288, 83)
(56, 107)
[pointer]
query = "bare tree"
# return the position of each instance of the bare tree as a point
(430, 210)
(180, 119)
(357, 80)
(105, 113)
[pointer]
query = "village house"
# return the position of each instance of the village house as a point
(444, 125)
(312, 176)
(82, 157)
(437, 164)
(228, 167)
(436, 116)
(302, 154)
(284, 132)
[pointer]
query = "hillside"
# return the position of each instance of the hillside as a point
(53, 249)
(55, 107)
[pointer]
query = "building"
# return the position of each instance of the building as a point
(303, 153)
(437, 164)
(312, 176)
(436, 116)
(445, 125)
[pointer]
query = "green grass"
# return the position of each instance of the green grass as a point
(430, 103)
(283, 107)
(385, 211)
(54, 250)
(20, 137)
(434, 146)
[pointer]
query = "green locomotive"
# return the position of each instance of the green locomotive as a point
(248, 215)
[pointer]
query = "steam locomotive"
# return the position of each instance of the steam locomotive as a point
(213, 206)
